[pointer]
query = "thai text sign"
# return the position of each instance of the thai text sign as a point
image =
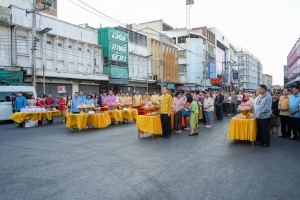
(118, 46)
(215, 81)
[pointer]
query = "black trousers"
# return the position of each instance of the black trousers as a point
(166, 124)
(295, 126)
(263, 130)
(285, 123)
(225, 108)
(219, 112)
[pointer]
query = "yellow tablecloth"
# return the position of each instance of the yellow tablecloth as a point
(149, 124)
(129, 114)
(19, 117)
(242, 129)
(80, 121)
(115, 115)
(200, 113)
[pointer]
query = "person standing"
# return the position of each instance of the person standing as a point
(154, 97)
(165, 113)
(49, 102)
(234, 101)
(208, 107)
(82, 97)
(194, 116)
(74, 103)
(275, 114)
(240, 98)
(62, 107)
(294, 103)
(283, 107)
(122, 99)
(104, 99)
(39, 102)
(147, 97)
(219, 106)
(13, 100)
(111, 99)
(31, 102)
(229, 104)
(177, 107)
(225, 102)
(263, 111)
(137, 100)
(20, 103)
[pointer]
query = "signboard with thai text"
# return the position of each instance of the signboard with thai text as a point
(216, 81)
(61, 89)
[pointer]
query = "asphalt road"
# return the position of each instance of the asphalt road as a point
(52, 162)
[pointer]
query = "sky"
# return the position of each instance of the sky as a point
(267, 28)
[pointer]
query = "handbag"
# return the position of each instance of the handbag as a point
(186, 113)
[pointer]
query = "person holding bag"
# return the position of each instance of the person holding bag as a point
(177, 107)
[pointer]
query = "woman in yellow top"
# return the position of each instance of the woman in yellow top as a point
(154, 97)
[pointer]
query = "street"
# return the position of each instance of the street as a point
(53, 162)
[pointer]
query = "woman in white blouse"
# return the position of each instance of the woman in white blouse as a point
(208, 105)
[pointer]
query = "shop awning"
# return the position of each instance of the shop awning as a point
(13, 78)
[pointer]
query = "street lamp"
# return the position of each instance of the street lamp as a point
(43, 32)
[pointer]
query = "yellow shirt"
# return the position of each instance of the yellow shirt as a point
(137, 100)
(154, 98)
(148, 98)
(166, 104)
(284, 104)
(122, 100)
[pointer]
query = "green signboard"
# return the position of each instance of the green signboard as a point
(171, 86)
(115, 51)
(118, 72)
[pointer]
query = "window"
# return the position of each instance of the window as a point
(88, 50)
(70, 47)
(59, 44)
(79, 49)
(181, 54)
(49, 42)
(37, 40)
(182, 39)
(181, 68)
(21, 37)
(174, 39)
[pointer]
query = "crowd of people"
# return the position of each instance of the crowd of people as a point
(273, 109)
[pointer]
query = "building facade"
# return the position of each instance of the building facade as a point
(249, 70)
(68, 55)
(285, 74)
(267, 80)
(293, 62)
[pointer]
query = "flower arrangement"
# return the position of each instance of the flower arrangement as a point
(90, 105)
(104, 102)
(185, 105)
(245, 106)
(81, 105)
(149, 106)
(116, 105)
(128, 103)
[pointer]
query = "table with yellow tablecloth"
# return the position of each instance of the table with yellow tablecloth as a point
(242, 129)
(80, 121)
(148, 124)
(20, 117)
(120, 115)
(129, 114)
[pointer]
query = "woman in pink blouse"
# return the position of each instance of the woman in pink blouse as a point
(177, 107)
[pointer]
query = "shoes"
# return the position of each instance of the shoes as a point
(282, 136)
(259, 143)
(265, 145)
(288, 137)
(20, 126)
(196, 133)
(293, 138)
(168, 136)
(204, 124)
(191, 134)
(163, 136)
(179, 131)
(208, 127)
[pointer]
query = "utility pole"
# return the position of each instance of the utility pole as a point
(33, 32)
(161, 61)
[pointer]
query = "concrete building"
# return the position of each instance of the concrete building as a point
(285, 74)
(293, 62)
(249, 70)
(233, 71)
(170, 58)
(196, 57)
(267, 80)
(68, 55)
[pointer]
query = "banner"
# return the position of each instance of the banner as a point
(189, 2)
(61, 89)
(216, 81)
(235, 75)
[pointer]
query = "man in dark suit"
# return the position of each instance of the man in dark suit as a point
(219, 105)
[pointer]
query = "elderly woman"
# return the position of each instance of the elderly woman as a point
(31, 102)
(274, 123)
(194, 115)
(208, 106)
(177, 107)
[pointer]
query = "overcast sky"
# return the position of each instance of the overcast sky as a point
(267, 28)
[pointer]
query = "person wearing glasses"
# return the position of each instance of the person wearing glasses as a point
(263, 111)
